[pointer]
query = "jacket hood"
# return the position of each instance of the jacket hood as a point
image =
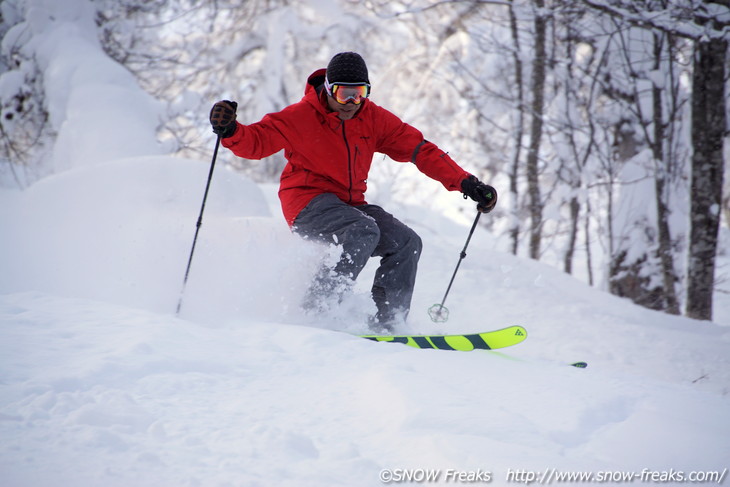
(315, 82)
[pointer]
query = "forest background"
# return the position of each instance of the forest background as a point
(602, 123)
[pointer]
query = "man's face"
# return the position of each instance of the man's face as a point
(344, 112)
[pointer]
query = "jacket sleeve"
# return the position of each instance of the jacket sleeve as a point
(404, 143)
(257, 140)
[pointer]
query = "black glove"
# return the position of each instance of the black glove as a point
(223, 118)
(483, 194)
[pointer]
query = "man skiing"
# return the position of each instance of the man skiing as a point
(329, 138)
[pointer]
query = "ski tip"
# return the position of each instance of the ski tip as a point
(580, 365)
(519, 330)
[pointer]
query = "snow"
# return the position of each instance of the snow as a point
(103, 385)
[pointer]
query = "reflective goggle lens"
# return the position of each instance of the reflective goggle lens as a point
(345, 93)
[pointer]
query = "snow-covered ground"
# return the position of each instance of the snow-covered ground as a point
(103, 385)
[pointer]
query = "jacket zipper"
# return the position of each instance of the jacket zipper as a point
(349, 164)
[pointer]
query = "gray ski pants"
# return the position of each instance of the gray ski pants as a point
(364, 231)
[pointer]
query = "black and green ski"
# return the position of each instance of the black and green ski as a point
(490, 340)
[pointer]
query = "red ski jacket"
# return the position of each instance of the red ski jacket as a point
(329, 155)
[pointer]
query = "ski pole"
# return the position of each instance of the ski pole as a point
(198, 224)
(438, 312)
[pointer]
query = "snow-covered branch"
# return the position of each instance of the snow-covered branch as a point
(691, 20)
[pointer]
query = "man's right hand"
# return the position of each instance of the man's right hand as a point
(223, 118)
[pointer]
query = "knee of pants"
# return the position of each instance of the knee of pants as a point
(414, 244)
(361, 237)
(418, 243)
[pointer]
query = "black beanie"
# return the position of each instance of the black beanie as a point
(347, 67)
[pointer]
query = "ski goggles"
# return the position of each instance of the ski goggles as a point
(344, 93)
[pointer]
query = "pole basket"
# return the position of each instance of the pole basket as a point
(438, 313)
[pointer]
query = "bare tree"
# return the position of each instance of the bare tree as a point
(537, 90)
(709, 128)
(663, 177)
(658, 128)
(577, 128)
(519, 130)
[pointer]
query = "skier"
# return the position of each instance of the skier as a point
(329, 138)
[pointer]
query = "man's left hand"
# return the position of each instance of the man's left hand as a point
(484, 194)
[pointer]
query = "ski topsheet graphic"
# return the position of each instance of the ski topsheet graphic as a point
(490, 340)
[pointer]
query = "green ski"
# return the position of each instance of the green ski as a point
(490, 340)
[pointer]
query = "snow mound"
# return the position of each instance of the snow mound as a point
(121, 231)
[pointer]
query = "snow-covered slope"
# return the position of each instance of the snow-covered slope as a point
(103, 385)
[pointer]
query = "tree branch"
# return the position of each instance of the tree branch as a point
(687, 21)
